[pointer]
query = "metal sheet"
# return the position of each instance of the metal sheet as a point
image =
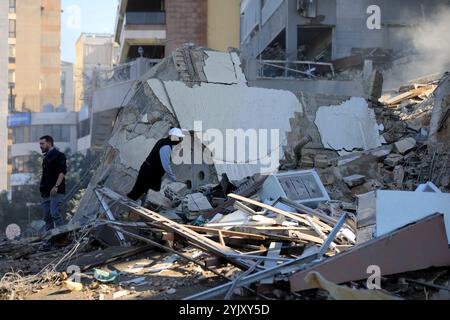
(415, 247)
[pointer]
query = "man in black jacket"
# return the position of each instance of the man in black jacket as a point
(156, 165)
(52, 187)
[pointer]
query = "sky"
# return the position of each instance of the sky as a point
(93, 16)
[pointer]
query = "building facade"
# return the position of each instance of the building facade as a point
(30, 32)
(325, 30)
(94, 52)
(34, 50)
(223, 24)
(160, 26)
(67, 85)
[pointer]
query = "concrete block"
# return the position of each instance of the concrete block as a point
(175, 188)
(393, 160)
(321, 161)
(196, 202)
(158, 199)
(405, 145)
(348, 126)
(354, 180)
(399, 174)
(307, 162)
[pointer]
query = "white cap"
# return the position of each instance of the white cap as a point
(176, 132)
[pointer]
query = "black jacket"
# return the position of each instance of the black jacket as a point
(154, 165)
(53, 164)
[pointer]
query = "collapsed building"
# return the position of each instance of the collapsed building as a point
(336, 179)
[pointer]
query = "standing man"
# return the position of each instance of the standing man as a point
(156, 165)
(52, 187)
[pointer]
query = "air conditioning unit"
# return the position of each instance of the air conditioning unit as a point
(304, 187)
(307, 8)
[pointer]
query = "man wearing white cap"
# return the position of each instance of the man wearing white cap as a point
(156, 165)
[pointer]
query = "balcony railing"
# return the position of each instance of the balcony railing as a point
(145, 18)
(295, 69)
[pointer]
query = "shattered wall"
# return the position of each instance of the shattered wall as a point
(439, 136)
(191, 86)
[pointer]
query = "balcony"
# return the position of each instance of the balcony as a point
(145, 18)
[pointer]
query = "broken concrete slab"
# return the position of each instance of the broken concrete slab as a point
(393, 160)
(217, 107)
(405, 145)
(399, 174)
(418, 246)
(355, 180)
(395, 209)
(196, 202)
(157, 199)
(439, 135)
(223, 67)
(348, 127)
(321, 161)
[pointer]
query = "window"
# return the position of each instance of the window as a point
(12, 50)
(12, 53)
(18, 135)
(11, 76)
(12, 6)
(21, 164)
(12, 28)
(84, 128)
(31, 134)
(60, 133)
(65, 133)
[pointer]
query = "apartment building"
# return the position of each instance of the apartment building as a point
(30, 32)
(153, 29)
(67, 85)
(326, 30)
(34, 52)
(94, 52)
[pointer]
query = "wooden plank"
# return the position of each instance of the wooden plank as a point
(292, 216)
(227, 233)
(193, 237)
(302, 236)
(320, 233)
(222, 242)
(410, 94)
(309, 238)
(304, 209)
(242, 207)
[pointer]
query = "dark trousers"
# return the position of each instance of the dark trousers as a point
(145, 181)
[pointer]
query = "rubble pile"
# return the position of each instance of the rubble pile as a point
(362, 187)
